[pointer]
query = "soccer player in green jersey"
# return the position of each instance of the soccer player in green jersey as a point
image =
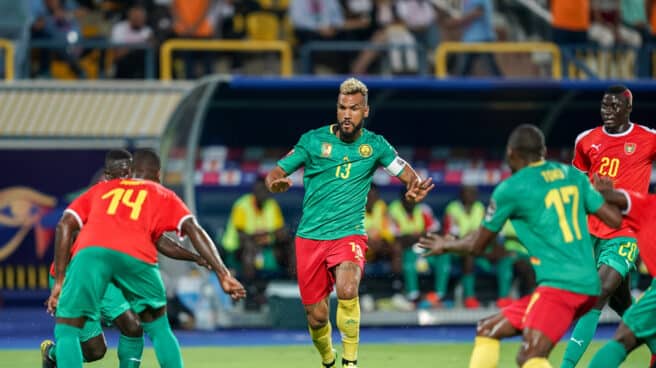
(547, 203)
(340, 160)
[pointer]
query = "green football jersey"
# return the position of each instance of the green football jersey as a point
(547, 204)
(337, 178)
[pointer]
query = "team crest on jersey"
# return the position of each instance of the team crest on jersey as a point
(326, 149)
(365, 150)
(629, 148)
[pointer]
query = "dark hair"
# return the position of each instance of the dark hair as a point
(146, 158)
(528, 141)
(616, 89)
(114, 156)
(118, 163)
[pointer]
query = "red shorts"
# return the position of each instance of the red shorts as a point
(316, 258)
(548, 310)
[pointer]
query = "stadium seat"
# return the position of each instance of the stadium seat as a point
(262, 26)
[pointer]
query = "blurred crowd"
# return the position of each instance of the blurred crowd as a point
(406, 32)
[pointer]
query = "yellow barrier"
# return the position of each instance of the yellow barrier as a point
(9, 58)
(495, 47)
(224, 45)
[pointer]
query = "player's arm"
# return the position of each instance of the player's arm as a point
(206, 248)
(277, 180)
(417, 189)
(172, 248)
(597, 204)
(472, 244)
(66, 229)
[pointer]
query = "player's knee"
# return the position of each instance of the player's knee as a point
(133, 330)
(93, 353)
(317, 317)
(347, 291)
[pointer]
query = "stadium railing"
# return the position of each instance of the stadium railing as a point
(308, 49)
(149, 50)
(168, 47)
(8, 54)
(446, 48)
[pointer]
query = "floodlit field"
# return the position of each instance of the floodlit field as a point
(443, 355)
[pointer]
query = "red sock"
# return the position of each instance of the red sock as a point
(653, 360)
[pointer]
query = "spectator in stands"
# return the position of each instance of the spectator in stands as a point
(420, 17)
(55, 20)
(129, 62)
(257, 240)
(634, 16)
(316, 20)
(570, 21)
(382, 246)
(358, 24)
(195, 19)
(390, 30)
(411, 221)
(461, 217)
(475, 23)
(15, 21)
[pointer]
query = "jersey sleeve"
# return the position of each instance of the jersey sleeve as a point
(81, 207)
(581, 160)
(501, 207)
(592, 199)
(637, 208)
(176, 213)
(297, 157)
(389, 158)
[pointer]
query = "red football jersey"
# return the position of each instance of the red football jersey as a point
(641, 216)
(626, 158)
(128, 216)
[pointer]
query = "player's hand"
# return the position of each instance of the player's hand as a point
(433, 243)
(203, 263)
(233, 287)
(53, 299)
(418, 190)
(602, 183)
(280, 185)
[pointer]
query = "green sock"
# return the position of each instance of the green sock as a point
(69, 352)
(410, 277)
(130, 350)
(165, 344)
(441, 272)
(635, 279)
(581, 337)
(468, 285)
(610, 355)
(504, 276)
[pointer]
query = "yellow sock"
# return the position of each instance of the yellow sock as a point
(537, 363)
(485, 353)
(348, 322)
(322, 339)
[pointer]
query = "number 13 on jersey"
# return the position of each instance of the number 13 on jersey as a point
(558, 198)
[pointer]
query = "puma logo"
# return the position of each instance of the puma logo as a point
(596, 146)
(577, 342)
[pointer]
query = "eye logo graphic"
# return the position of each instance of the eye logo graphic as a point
(21, 209)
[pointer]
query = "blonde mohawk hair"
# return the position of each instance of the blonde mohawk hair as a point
(352, 86)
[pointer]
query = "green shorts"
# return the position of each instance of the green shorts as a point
(113, 304)
(617, 253)
(640, 317)
(94, 268)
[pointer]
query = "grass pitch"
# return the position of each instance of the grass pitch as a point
(443, 355)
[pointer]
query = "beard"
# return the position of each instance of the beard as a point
(349, 135)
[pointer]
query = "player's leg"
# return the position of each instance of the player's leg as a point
(410, 275)
(143, 288)
(86, 280)
(315, 285)
(115, 308)
(613, 353)
(548, 316)
(348, 275)
(441, 274)
(489, 332)
(346, 259)
(92, 342)
(615, 260)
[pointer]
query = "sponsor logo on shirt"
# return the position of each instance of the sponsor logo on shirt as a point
(596, 147)
(326, 149)
(365, 150)
(629, 148)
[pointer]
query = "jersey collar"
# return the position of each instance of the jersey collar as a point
(537, 163)
(603, 129)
